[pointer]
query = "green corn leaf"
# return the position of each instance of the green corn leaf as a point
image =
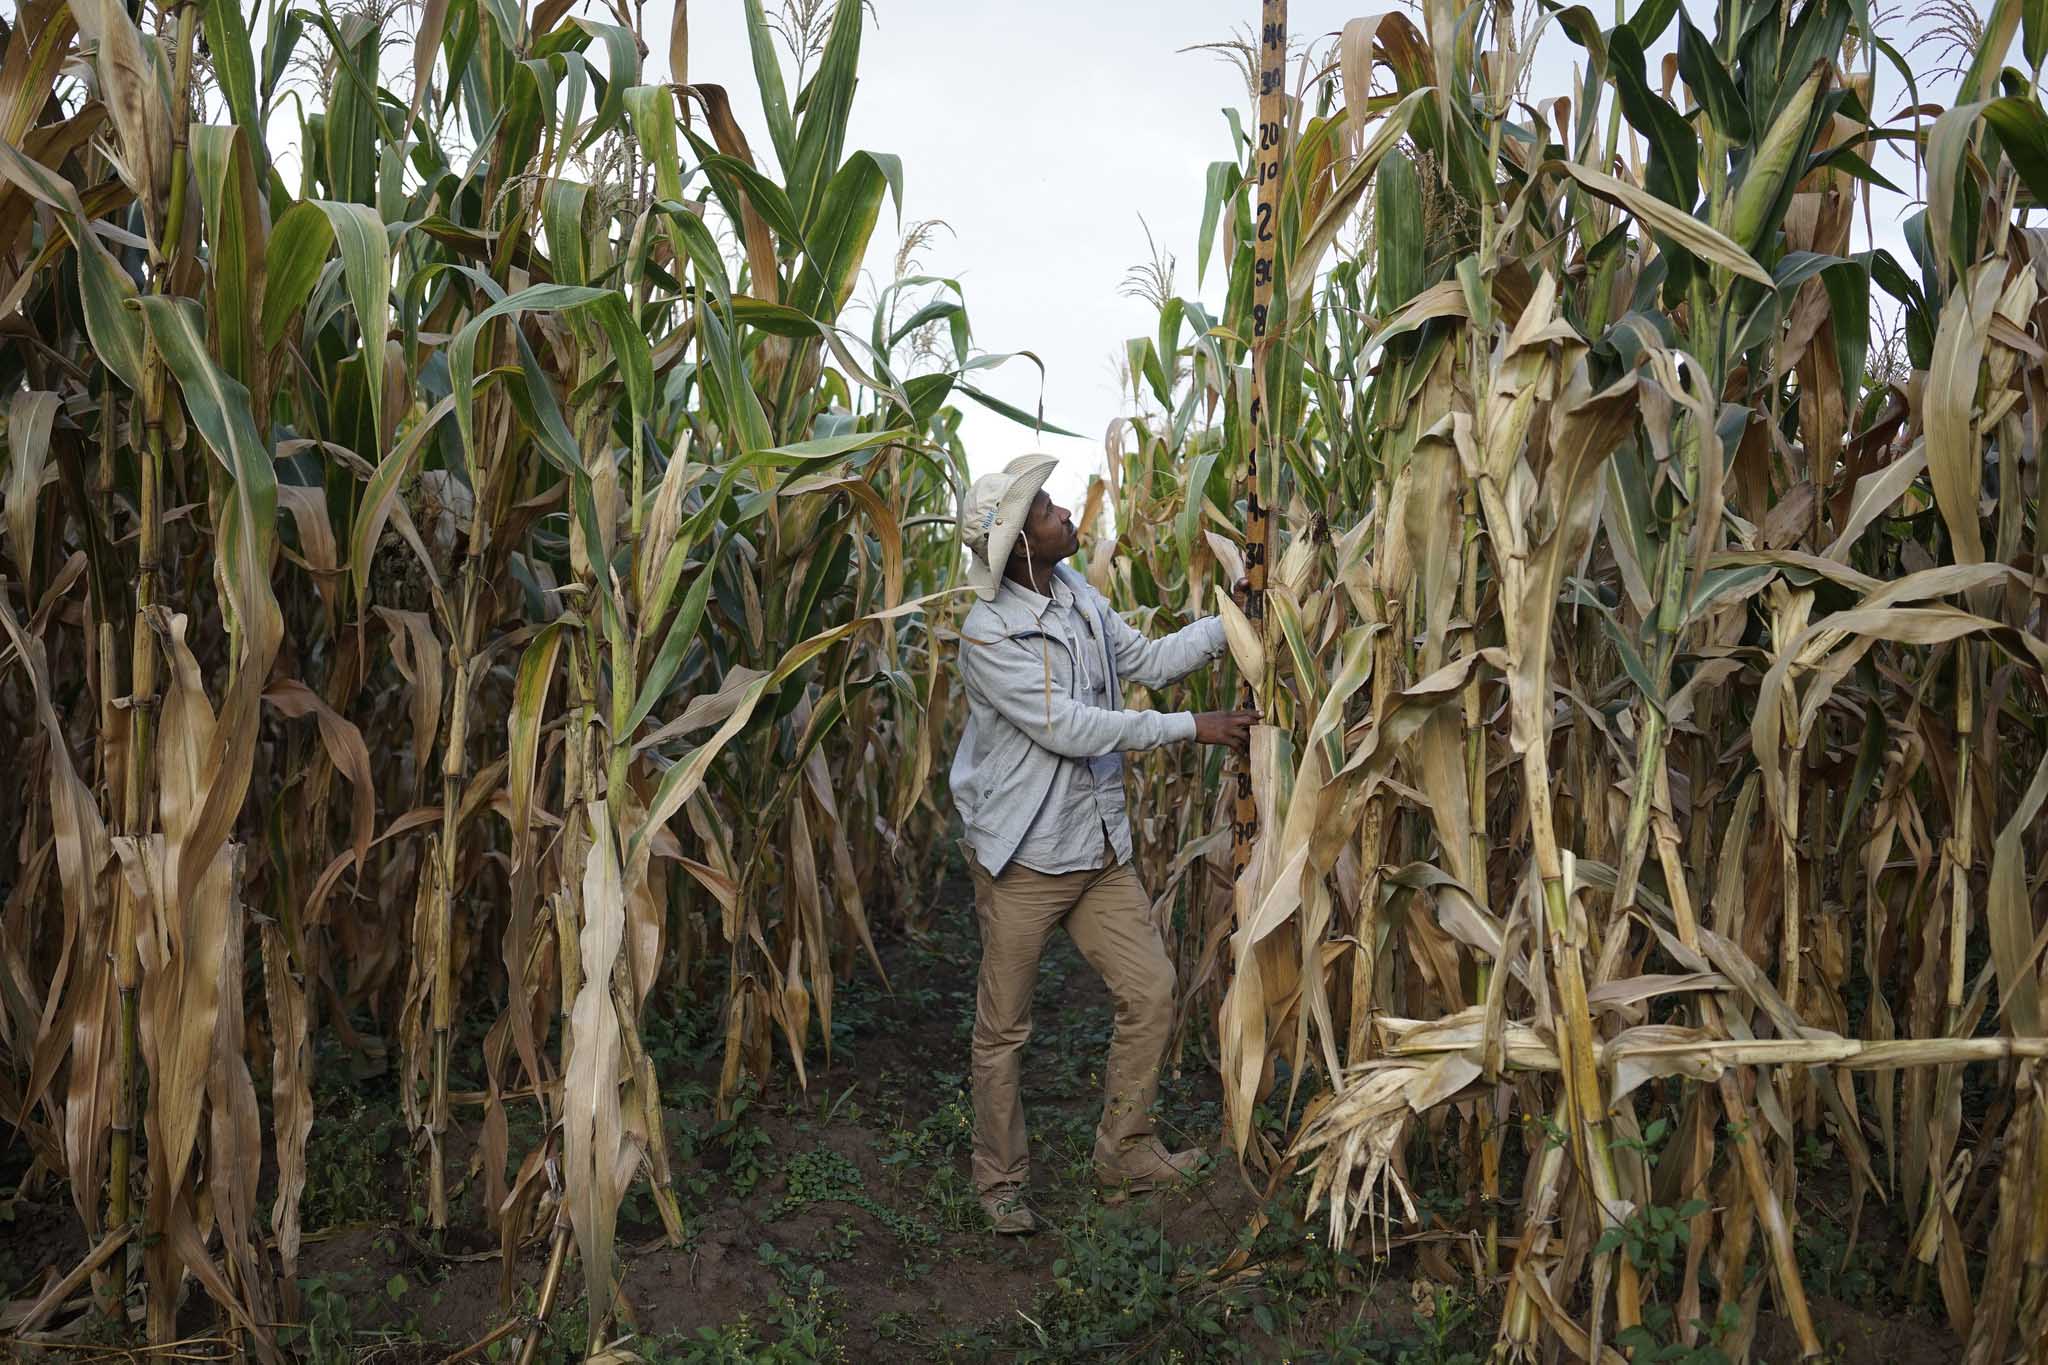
(1223, 179)
(1994, 41)
(821, 113)
(1674, 146)
(1948, 187)
(234, 228)
(366, 265)
(2022, 131)
(1848, 288)
(1142, 360)
(1014, 413)
(375, 510)
(682, 780)
(630, 350)
(776, 319)
(300, 243)
(462, 358)
(1308, 670)
(561, 215)
(523, 727)
(799, 458)
(426, 43)
(1650, 19)
(507, 21)
(837, 235)
(287, 26)
(1397, 221)
(219, 407)
(1195, 491)
(234, 66)
(926, 392)
(682, 633)
(106, 288)
(1850, 163)
(936, 310)
(349, 134)
(1708, 78)
(1171, 315)
(651, 111)
(1626, 514)
(731, 387)
(1336, 210)
(622, 57)
(702, 249)
(768, 197)
(768, 79)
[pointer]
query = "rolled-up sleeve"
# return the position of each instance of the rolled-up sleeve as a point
(1011, 678)
(1168, 659)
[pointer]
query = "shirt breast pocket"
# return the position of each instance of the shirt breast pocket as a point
(1056, 670)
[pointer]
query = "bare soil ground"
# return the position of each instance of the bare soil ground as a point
(838, 1222)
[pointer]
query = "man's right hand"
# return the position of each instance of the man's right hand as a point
(1232, 729)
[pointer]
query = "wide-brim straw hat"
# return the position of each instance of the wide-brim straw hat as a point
(994, 514)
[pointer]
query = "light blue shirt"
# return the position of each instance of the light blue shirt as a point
(1083, 812)
(1038, 777)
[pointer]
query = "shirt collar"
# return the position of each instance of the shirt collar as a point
(1038, 603)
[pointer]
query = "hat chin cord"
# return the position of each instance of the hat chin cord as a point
(1044, 655)
(1030, 562)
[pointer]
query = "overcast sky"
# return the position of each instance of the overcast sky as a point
(1040, 133)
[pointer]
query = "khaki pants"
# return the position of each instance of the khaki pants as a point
(1110, 918)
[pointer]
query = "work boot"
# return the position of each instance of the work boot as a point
(1008, 1213)
(1145, 1164)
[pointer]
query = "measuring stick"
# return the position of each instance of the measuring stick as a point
(1258, 528)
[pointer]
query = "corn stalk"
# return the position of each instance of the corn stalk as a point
(1642, 628)
(501, 485)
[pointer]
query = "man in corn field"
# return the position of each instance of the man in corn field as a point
(1038, 780)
